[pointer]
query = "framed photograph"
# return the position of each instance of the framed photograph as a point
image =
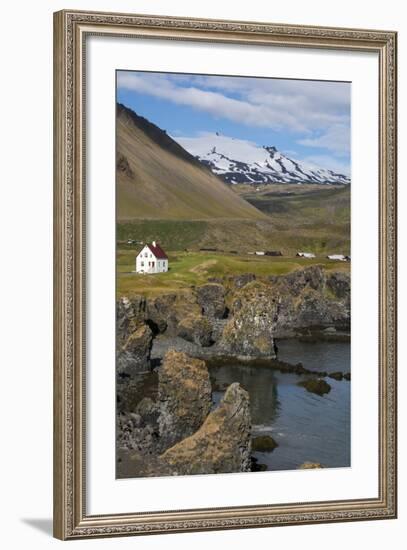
(225, 274)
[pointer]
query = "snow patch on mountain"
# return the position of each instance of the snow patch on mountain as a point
(242, 161)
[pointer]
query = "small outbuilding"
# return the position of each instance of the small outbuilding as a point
(339, 257)
(152, 259)
(305, 254)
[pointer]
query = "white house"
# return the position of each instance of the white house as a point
(152, 259)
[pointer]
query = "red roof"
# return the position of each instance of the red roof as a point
(158, 251)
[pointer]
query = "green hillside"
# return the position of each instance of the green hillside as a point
(305, 218)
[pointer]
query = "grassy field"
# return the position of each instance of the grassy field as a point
(171, 234)
(312, 218)
(299, 218)
(194, 268)
(313, 204)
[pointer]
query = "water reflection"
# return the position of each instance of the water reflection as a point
(306, 426)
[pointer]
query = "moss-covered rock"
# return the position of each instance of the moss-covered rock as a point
(196, 329)
(222, 444)
(249, 333)
(184, 396)
(166, 311)
(130, 315)
(310, 466)
(336, 375)
(263, 444)
(211, 297)
(316, 385)
(134, 356)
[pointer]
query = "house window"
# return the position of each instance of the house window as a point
(142, 264)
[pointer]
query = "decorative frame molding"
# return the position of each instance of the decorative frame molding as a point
(70, 31)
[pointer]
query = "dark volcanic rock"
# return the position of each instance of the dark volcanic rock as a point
(134, 357)
(249, 333)
(136, 435)
(211, 297)
(315, 385)
(122, 165)
(130, 314)
(336, 375)
(239, 281)
(196, 329)
(339, 284)
(256, 466)
(167, 310)
(263, 444)
(310, 298)
(311, 277)
(149, 411)
(133, 463)
(222, 444)
(184, 395)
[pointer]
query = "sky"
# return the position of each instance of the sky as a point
(306, 120)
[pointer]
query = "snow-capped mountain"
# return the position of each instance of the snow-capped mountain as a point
(240, 161)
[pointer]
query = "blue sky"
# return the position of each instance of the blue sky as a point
(307, 120)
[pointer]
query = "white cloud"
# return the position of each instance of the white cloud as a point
(330, 162)
(336, 138)
(215, 103)
(318, 112)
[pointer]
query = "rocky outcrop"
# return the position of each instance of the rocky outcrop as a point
(132, 464)
(222, 444)
(184, 397)
(211, 298)
(130, 314)
(339, 284)
(244, 315)
(165, 312)
(250, 331)
(134, 356)
(134, 434)
(196, 329)
(311, 298)
(239, 281)
(137, 430)
(177, 434)
(149, 411)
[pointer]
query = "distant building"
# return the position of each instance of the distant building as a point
(339, 257)
(152, 259)
(306, 254)
(260, 253)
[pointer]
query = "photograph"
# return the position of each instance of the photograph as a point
(233, 274)
(225, 215)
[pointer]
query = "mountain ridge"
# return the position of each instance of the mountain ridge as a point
(157, 178)
(241, 161)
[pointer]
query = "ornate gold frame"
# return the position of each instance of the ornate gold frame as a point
(70, 31)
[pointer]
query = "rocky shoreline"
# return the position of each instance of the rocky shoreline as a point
(181, 433)
(179, 336)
